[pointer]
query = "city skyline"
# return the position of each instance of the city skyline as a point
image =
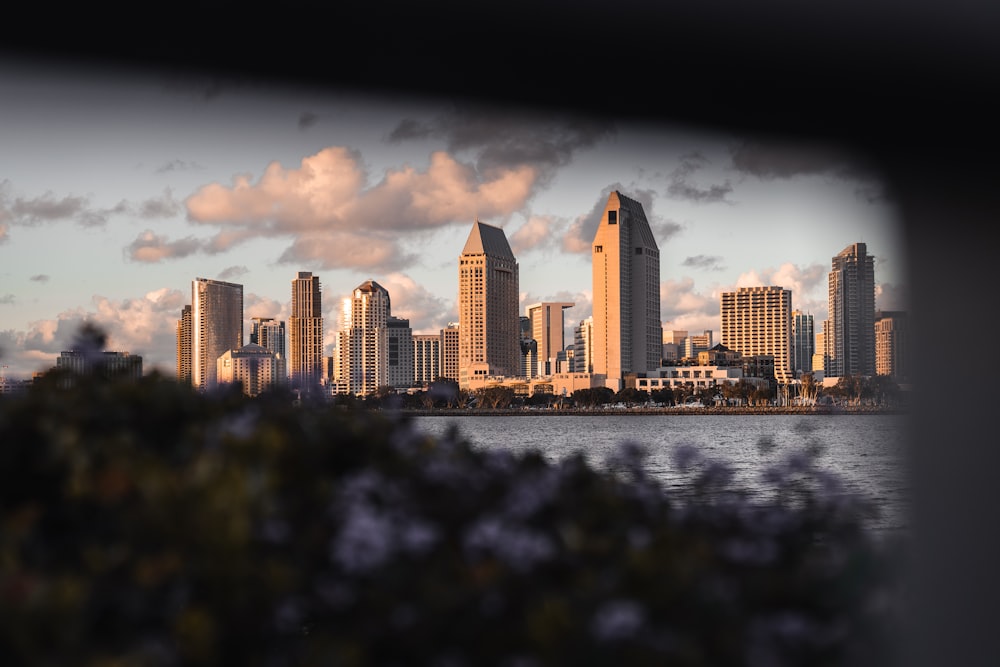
(115, 192)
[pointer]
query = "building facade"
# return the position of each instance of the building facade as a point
(803, 341)
(399, 360)
(758, 321)
(216, 327)
(305, 333)
(850, 340)
(449, 351)
(269, 333)
(583, 346)
(488, 298)
(105, 364)
(626, 292)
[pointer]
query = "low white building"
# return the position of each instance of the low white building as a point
(256, 368)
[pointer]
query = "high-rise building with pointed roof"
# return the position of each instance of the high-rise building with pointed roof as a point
(305, 333)
(850, 340)
(488, 298)
(626, 284)
(216, 327)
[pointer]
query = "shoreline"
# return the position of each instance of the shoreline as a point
(715, 411)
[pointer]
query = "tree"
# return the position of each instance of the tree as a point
(495, 398)
(592, 397)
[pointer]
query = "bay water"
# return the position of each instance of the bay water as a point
(866, 452)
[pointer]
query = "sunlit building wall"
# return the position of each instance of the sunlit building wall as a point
(184, 346)
(305, 333)
(758, 321)
(216, 327)
(426, 358)
(254, 367)
(851, 336)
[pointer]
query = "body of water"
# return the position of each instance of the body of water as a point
(866, 452)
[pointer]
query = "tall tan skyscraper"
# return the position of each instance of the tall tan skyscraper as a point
(216, 327)
(488, 320)
(305, 333)
(758, 320)
(449, 351)
(626, 282)
(850, 340)
(184, 346)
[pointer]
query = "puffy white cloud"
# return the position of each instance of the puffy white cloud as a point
(808, 285)
(151, 247)
(537, 232)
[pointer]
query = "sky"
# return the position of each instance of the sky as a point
(119, 187)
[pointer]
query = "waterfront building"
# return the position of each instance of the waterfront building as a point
(253, 366)
(216, 327)
(625, 262)
(449, 351)
(426, 358)
(700, 377)
(891, 344)
(363, 340)
(758, 321)
(305, 333)
(850, 340)
(488, 297)
(399, 360)
(184, 346)
(803, 337)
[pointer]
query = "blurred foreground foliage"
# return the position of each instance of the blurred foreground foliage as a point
(146, 524)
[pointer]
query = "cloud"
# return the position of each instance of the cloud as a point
(233, 272)
(150, 247)
(682, 308)
(164, 206)
(7, 300)
(583, 306)
(39, 278)
(706, 262)
(681, 187)
(50, 208)
(785, 159)
(427, 312)
(335, 222)
(506, 138)
(307, 119)
(177, 165)
(537, 232)
(255, 305)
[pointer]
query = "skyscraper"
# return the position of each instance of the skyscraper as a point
(363, 339)
(426, 358)
(399, 362)
(891, 345)
(548, 327)
(216, 326)
(626, 282)
(850, 340)
(803, 341)
(758, 321)
(184, 346)
(449, 351)
(305, 333)
(488, 297)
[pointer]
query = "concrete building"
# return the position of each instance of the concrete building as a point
(488, 298)
(184, 346)
(891, 345)
(758, 321)
(850, 340)
(399, 360)
(426, 358)
(548, 327)
(216, 327)
(697, 343)
(674, 344)
(305, 333)
(626, 292)
(803, 341)
(253, 366)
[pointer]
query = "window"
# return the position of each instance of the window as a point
(612, 217)
(598, 248)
